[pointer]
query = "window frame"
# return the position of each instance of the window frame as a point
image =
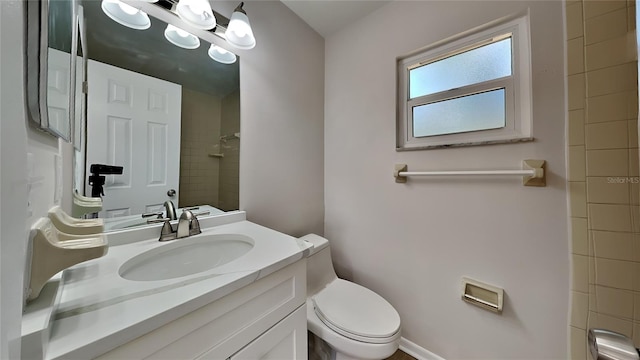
(518, 124)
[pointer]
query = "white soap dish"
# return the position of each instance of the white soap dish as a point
(70, 225)
(82, 205)
(52, 251)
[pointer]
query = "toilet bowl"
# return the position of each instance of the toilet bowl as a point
(355, 322)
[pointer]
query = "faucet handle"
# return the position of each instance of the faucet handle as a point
(187, 225)
(150, 214)
(193, 223)
(186, 215)
(194, 228)
(167, 232)
(157, 220)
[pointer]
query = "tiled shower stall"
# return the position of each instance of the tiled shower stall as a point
(603, 169)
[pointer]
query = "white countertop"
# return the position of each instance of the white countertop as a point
(37, 319)
(99, 311)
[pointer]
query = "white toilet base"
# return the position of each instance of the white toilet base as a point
(320, 350)
(340, 356)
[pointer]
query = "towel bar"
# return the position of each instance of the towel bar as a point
(533, 172)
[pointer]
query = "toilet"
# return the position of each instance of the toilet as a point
(347, 321)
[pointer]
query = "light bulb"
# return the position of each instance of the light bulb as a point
(196, 13)
(181, 38)
(182, 33)
(241, 30)
(127, 8)
(221, 55)
(125, 14)
(239, 33)
(198, 9)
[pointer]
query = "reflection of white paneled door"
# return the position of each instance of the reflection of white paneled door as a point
(133, 120)
(58, 68)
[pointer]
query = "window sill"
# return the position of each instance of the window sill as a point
(454, 145)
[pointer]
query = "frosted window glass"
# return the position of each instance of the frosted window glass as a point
(481, 111)
(481, 64)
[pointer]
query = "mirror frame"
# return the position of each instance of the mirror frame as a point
(79, 42)
(37, 41)
(78, 122)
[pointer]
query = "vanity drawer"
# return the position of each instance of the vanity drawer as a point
(226, 325)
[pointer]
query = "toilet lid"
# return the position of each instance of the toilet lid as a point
(356, 312)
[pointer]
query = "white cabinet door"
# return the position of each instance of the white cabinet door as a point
(227, 326)
(286, 340)
(133, 120)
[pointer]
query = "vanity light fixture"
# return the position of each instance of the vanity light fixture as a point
(126, 15)
(197, 13)
(181, 38)
(221, 55)
(239, 32)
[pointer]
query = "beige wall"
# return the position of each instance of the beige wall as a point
(282, 107)
(199, 134)
(229, 194)
(412, 243)
(603, 169)
(209, 166)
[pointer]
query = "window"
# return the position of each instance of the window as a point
(472, 90)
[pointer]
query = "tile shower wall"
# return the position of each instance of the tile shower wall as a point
(603, 169)
(199, 135)
(230, 164)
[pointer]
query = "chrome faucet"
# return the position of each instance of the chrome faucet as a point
(188, 225)
(170, 210)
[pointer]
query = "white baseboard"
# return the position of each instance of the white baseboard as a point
(417, 351)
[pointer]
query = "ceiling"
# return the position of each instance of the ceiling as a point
(328, 16)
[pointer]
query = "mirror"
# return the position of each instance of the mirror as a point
(51, 40)
(129, 68)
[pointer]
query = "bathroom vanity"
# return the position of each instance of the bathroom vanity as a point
(237, 290)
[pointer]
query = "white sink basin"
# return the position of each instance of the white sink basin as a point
(186, 256)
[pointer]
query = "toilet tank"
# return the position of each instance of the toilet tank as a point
(320, 270)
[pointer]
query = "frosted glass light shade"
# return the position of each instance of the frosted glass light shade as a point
(197, 13)
(181, 38)
(239, 32)
(221, 55)
(126, 15)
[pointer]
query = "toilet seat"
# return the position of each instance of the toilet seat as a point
(356, 312)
